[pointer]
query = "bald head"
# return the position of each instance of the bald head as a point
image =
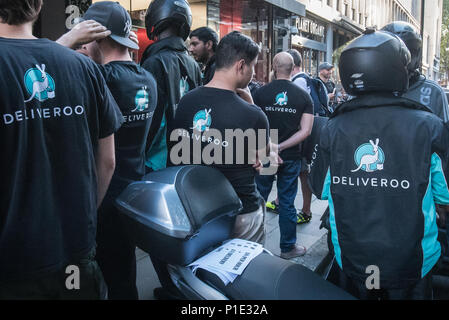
(283, 65)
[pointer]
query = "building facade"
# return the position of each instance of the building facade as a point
(319, 29)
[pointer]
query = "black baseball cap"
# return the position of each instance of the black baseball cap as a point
(115, 18)
(325, 65)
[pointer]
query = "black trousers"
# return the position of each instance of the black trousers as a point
(116, 254)
(421, 290)
(53, 286)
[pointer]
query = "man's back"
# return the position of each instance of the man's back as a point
(55, 107)
(380, 167)
(135, 92)
(284, 103)
(206, 109)
(430, 94)
(176, 73)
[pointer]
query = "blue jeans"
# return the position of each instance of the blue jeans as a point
(287, 185)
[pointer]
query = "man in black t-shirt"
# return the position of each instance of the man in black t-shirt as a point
(135, 91)
(290, 111)
(57, 119)
(212, 116)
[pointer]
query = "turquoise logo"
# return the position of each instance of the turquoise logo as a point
(369, 157)
(39, 84)
(202, 120)
(183, 86)
(142, 100)
(281, 99)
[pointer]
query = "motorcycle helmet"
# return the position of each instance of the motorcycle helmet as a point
(412, 40)
(375, 62)
(164, 13)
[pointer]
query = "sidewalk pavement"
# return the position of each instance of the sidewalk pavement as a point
(308, 235)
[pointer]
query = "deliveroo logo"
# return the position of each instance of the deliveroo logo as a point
(281, 99)
(142, 100)
(183, 86)
(39, 84)
(369, 157)
(202, 120)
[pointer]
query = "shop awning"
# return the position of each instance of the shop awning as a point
(345, 24)
(308, 43)
(290, 5)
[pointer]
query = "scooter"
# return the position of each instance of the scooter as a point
(179, 214)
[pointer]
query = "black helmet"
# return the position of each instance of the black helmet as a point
(412, 40)
(164, 13)
(375, 62)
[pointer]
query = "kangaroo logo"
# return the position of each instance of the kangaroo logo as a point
(202, 120)
(369, 157)
(141, 100)
(281, 99)
(183, 86)
(39, 84)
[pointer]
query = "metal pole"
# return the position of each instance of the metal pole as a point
(423, 4)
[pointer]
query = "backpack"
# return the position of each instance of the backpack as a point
(318, 93)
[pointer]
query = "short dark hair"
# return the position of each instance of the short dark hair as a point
(16, 12)
(296, 57)
(234, 47)
(206, 34)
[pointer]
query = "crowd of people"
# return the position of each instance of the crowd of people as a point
(82, 120)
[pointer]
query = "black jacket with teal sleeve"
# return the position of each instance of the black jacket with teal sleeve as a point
(176, 73)
(380, 165)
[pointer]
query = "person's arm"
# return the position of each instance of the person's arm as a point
(301, 135)
(245, 94)
(105, 163)
(267, 156)
(331, 95)
(84, 32)
(439, 167)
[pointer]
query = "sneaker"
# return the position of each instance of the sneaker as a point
(297, 251)
(272, 206)
(302, 217)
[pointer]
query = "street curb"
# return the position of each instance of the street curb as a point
(317, 257)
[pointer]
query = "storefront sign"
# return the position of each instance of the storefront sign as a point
(308, 26)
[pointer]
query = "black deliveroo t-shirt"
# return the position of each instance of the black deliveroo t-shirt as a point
(135, 91)
(212, 122)
(54, 108)
(284, 104)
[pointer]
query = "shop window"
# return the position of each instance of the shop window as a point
(247, 16)
(281, 26)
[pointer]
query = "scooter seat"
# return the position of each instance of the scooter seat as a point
(269, 277)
